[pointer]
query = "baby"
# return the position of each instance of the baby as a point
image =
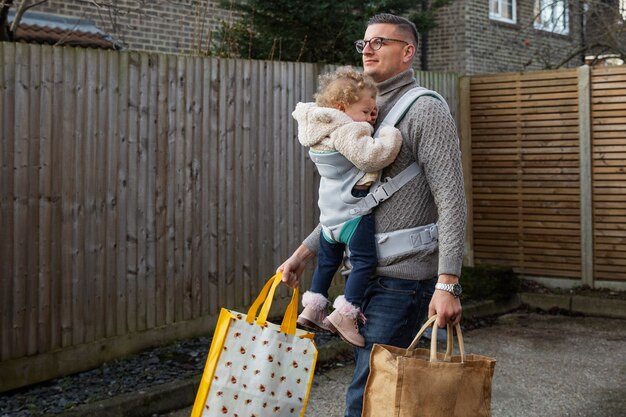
(338, 130)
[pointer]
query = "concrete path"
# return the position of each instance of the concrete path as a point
(548, 366)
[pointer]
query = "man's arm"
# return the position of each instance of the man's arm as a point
(293, 267)
(439, 152)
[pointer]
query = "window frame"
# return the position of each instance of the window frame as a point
(498, 16)
(551, 25)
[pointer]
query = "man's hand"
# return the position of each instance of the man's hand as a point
(444, 304)
(293, 267)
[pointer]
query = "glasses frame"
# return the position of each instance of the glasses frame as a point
(379, 40)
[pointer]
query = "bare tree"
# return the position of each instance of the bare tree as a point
(605, 32)
(601, 33)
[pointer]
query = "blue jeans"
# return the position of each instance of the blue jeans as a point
(395, 310)
(362, 258)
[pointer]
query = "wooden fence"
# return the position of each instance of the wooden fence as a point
(548, 172)
(140, 193)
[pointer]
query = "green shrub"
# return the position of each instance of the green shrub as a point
(483, 282)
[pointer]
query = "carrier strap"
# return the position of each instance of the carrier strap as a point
(386, 189)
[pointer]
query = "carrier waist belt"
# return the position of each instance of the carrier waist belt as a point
(404, 241)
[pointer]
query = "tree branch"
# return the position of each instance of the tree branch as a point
(24, 7)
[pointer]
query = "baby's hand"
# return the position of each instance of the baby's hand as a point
(373, 116)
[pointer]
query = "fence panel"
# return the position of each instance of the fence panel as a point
(529, 150)
(525, 172)
(608, 108)
(140, 193)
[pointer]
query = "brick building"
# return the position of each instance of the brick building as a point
(480, 36)
(181, 26)
(472, 37)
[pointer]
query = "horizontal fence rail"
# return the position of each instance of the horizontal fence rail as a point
(139, 193)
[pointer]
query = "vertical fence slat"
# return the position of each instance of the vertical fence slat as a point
(248, 170)
(111, 199)
(101, 136)
(67, 196)
(80, 288)
(7, 191)
(21, 207)
(465, 133)
(189, 179)
(57, 167)
(152, 304)
(171, 200)
(33, 83)
(214, 185)
(254, 171)
(46, 201)
(265, 139)
(142, 189)
(586, 188)
(197, 236)
(205, 180)
(90, 279)
(161, 188)
(121, 139)
(179, 169)
(21, 215)
(237, 260)
(132, 310)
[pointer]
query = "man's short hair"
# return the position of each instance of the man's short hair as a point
(405, 25)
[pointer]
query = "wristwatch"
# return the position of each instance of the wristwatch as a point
(454, 289)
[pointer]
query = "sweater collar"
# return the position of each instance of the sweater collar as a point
(396, 82)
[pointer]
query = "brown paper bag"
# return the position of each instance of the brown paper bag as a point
(423, 383)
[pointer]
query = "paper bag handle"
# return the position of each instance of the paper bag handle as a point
(432, 321)
(265, 298)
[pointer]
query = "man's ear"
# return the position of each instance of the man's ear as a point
(409, 53)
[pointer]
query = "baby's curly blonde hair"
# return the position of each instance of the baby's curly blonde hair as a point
(343, 87)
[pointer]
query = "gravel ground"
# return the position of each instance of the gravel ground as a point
(156, 366)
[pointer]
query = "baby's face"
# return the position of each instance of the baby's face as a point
(364, 110)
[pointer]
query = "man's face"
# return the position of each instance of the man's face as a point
(391, 59)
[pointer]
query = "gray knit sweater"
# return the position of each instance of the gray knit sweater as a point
(436, 195)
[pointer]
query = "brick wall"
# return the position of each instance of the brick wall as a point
(181, 26)
(446, 44)
(468, 42)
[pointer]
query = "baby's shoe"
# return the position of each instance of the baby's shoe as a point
(344, 321)
(314, 313)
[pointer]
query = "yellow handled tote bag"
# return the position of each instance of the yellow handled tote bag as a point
(257, 368)
(423, 383)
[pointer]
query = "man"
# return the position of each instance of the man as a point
(403, 291)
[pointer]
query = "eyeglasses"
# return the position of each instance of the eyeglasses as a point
(375, 43)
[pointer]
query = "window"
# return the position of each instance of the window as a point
(552, 16)
(622, 8)
(503, 10)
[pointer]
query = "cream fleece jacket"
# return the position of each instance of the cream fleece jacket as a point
(436, 195)
(325, 129)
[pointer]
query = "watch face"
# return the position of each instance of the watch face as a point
(456, 289)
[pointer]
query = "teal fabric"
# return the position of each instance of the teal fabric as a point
(347, 230)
